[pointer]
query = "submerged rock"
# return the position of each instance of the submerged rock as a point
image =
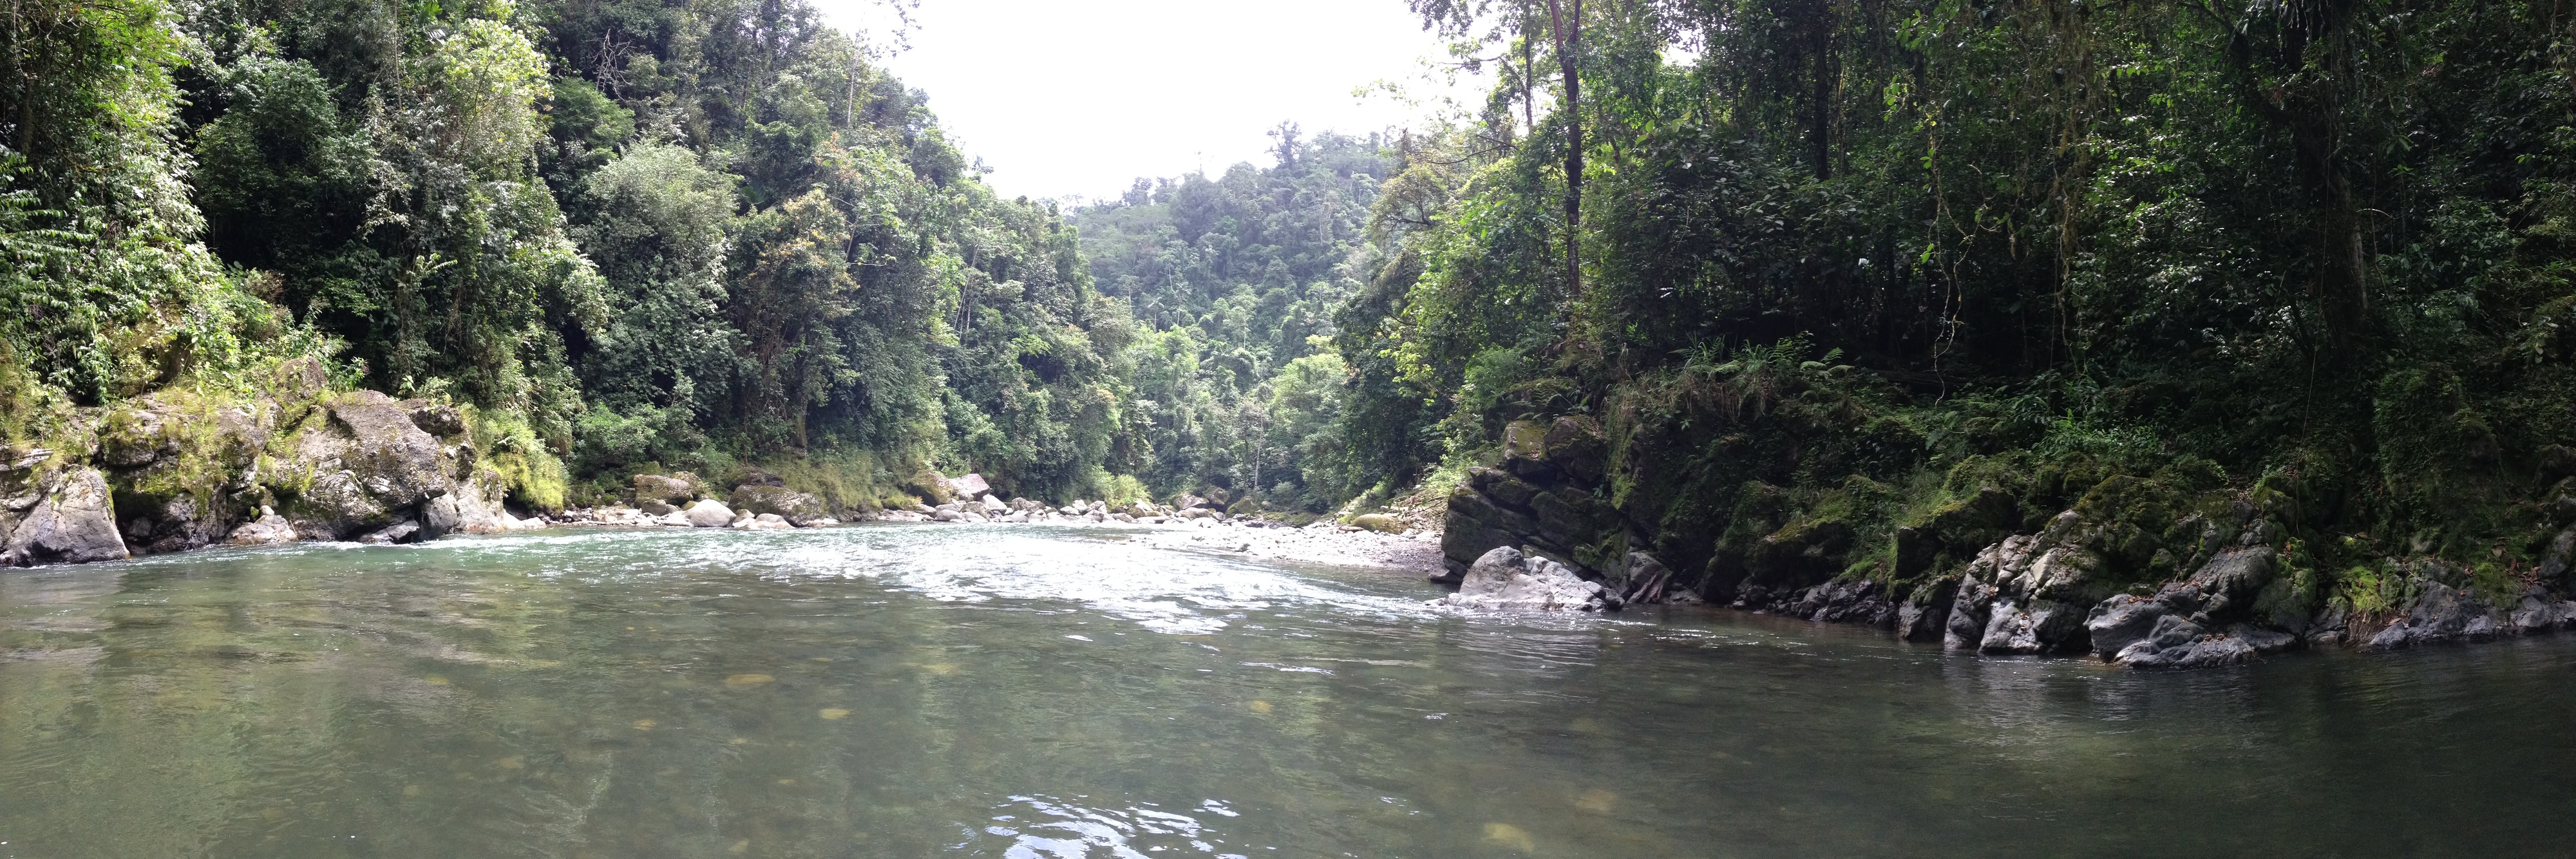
(1506, 580)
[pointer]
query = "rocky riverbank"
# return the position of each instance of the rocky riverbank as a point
(2217, 581)
(175, 471)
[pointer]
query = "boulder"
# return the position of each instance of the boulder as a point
(181, 524)
(994, 506)
(1645, 580)
(2180, 643)
(404, 531)
(359, 469)
(1379, 522)
(2539, 612)
(73, 523)
(438, 419)
(473, 508)
(2120, 621)
(1845, 601)
(269, 529)
(1970, 607)
(1577, 448)
(666, 490)
(969, 486)
(760, 477)
(1506, 580)
(787, 504)
(708, 513)
(335, 506)
(391, 457)
(1525, 450)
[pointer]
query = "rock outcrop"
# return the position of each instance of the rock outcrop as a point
(362, 465)
(1543, 497)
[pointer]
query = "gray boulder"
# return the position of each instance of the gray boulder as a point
(73, 523)
(797, 507)
(2120, 621)
(1646, 579)
(360, 469)
(969, 486)
(2179, 643)
(666, 490)
(337, 505)
(404, 531)
(438, 419)
(268, 529)
(2538, 612)
(708, 513)
(1506, 580)
(474, 508)
(391, 456)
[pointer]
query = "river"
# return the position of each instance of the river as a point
(1026, 691)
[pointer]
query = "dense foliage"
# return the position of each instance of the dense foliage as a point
(633, 234)
(1845, 263)
(1236, 280)
(1818, 266)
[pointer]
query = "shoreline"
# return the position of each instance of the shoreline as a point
(1415, 550)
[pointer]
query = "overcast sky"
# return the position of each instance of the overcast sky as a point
(1066, 98)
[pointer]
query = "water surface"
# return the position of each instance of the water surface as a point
(1012, 691)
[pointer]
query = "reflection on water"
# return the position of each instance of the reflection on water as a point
(1031, 692)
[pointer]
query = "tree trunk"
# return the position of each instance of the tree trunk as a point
(1569, 34)
(1820, 47)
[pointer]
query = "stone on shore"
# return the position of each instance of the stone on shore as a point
(1505, 580)
(74, 523)
(708, 513)
(268, 530)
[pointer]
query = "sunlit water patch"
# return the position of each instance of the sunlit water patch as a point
(1061, 692)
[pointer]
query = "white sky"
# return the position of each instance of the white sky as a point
(1072, 98)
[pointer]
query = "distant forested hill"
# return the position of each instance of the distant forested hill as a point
(1238, 278)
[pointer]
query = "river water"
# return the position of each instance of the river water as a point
(1013, 691)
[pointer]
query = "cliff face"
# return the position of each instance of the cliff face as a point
(2137, 572)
